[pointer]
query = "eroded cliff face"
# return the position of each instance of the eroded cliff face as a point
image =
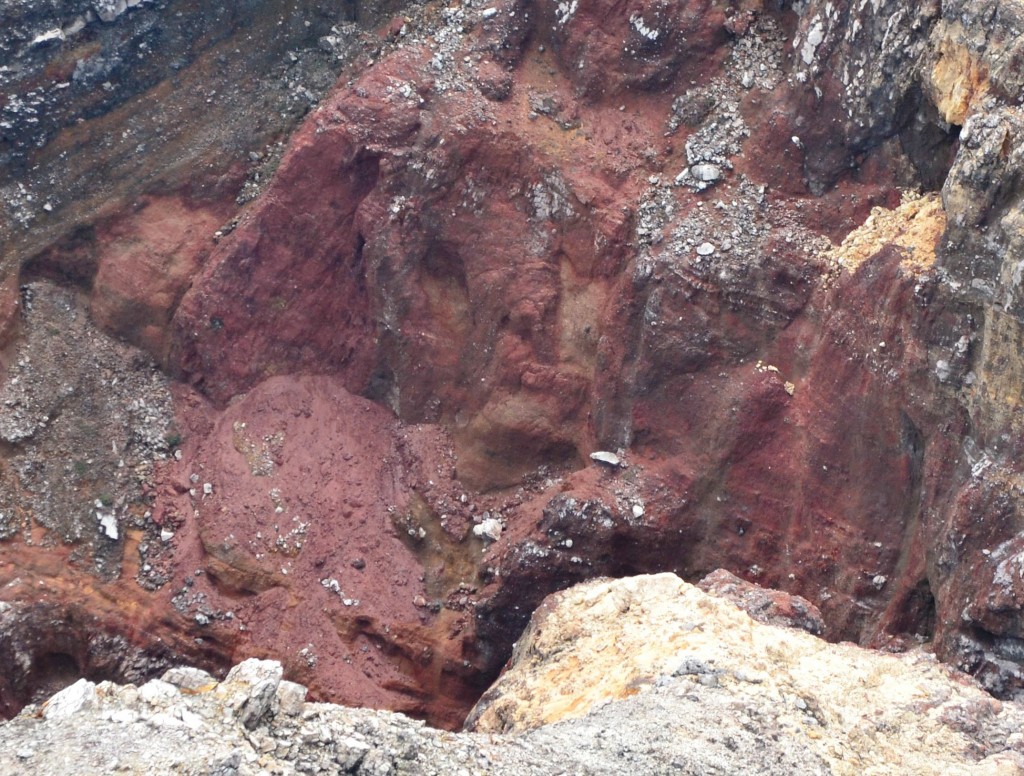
(765, 252)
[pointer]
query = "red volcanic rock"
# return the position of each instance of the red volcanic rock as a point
(294, 286)
(145, 263)
(305, 525)
(57, 624)
(532, 271)
(607, 49)
(8, 312)
(534, 233)
(773, 607)
(475, 324)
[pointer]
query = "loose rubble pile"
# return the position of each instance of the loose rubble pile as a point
(87, 418)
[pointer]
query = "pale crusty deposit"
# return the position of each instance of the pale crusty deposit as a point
(914, 227)
(862, 712)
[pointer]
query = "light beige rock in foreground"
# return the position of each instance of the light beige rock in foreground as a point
(861, 711)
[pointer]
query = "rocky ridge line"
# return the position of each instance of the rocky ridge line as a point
(699, 688)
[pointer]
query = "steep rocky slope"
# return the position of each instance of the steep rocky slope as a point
(766, 253)
(698, 687)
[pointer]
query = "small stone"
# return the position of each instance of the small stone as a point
(108, 524)
(188, 678)
(358, 564)
(709, 173)
(166, 535)
(71, 700)
(419, 601)
(157, 692)
(253, 682)
(638, 510)
(490, 13)
(608, 459)
(691, 666)
(291, 697)
(488, 529)
(705, 249)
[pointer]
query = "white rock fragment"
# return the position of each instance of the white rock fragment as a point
(81, 695)
(490, 13)
(565, 11)
(488, 529)
(188, 678)
(252, 686)
(47, 37)
(638, 510)
(608, 459)
(705, 249)
(706, 172)
(641, 27)
(815, 36)
(157, 692)
(290, 698)
(108, 524)
(108, 10)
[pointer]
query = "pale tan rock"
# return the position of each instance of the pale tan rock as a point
(915, 226)
(955, 77)
(862, 712)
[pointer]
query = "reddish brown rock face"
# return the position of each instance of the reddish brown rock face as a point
(301, 531)
(524, 236)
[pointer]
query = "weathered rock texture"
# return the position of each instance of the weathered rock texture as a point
(640, 675)
(857, 710)
(521, 234)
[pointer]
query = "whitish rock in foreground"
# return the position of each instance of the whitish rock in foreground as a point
(859, 711)
(647, 675)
